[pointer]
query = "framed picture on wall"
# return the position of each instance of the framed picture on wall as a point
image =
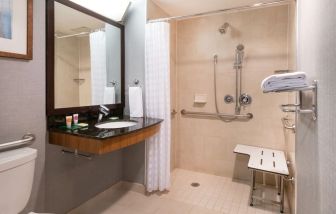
(16, 29)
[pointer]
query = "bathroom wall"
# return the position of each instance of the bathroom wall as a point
(84, 71)
(22, 93)
(66, 67)
(207, 145)
(315, 147)
(289, 134)
(134, 157)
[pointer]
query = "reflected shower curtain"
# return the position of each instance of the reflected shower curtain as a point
(98, 66)
(157, 78)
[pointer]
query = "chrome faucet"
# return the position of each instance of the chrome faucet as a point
(103, 111)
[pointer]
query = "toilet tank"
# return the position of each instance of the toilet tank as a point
(16, 179)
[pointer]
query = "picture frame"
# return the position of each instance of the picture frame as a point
(16, 29)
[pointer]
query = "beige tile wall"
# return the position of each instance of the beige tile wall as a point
(84, 71)
(66, 70)
(206, 145)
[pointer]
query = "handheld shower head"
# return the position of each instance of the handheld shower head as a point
(239, 56)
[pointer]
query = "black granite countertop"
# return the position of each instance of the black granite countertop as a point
(93, 132)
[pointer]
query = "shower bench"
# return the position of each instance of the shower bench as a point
(268, 161)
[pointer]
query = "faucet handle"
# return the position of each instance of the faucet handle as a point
(104, 110)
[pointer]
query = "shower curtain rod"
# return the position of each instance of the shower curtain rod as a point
(247, 7)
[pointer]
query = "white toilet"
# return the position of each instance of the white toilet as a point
(16, 179)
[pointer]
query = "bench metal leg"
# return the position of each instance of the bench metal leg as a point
(279, 184)
(252, 186)
(282, 195)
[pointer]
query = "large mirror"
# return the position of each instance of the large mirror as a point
(87, 59)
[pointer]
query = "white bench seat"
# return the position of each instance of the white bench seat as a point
(265, 160)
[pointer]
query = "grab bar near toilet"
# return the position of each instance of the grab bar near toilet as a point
(27, 139)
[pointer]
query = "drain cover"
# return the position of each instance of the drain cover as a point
(195, 184)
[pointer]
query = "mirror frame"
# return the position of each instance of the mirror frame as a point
(50, 61)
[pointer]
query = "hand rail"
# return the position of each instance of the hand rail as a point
(26, 139)
(247, 116)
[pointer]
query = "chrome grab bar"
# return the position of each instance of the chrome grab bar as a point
(247, 116)
(26, 139)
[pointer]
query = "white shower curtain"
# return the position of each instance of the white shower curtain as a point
(158, 105)
(98, 66)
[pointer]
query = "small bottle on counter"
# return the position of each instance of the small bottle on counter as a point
(68, 121)
(75, 119)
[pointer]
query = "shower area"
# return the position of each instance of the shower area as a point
(217, 64)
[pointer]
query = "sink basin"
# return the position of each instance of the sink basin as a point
(116, 125)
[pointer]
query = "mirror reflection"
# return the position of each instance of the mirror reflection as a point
(87, 60)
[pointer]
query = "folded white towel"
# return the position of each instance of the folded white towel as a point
(284, 81)
(135, 101)
(109, 95)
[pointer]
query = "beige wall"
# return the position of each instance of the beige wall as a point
(72, 61)
(66, 70)
(207, 145)
(84, 71)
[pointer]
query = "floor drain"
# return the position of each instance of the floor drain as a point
(195, 184)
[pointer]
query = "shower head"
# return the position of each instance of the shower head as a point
(223, 29)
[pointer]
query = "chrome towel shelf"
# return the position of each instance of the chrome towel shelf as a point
(26, 139)
(247, 116)
(298, 108)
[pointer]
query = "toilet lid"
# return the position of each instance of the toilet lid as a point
(16, 157)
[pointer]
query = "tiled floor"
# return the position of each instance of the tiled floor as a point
(215, 195)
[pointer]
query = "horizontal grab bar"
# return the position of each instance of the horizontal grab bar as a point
(247, 116)
(26, 139)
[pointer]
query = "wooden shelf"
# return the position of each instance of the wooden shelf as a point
(103, 146)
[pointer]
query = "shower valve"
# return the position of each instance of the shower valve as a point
(245, 99)
(228, 99)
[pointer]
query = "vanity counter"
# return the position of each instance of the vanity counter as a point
(100, 141)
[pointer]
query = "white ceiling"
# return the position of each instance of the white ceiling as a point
(188, 7)
(67, 20)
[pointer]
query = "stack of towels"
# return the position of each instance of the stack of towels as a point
(285, 81)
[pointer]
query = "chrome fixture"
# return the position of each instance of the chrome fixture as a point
(228, 99)
(224, 28)
(233, 9)
(238, 65)
(76, 154)
(225, 117)
(103, 111)
(245, 99)
(297, 107)
(27, 139)
(287, 125)
(239, 57)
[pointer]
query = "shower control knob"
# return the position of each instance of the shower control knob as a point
(228, 99)
(245, 99)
